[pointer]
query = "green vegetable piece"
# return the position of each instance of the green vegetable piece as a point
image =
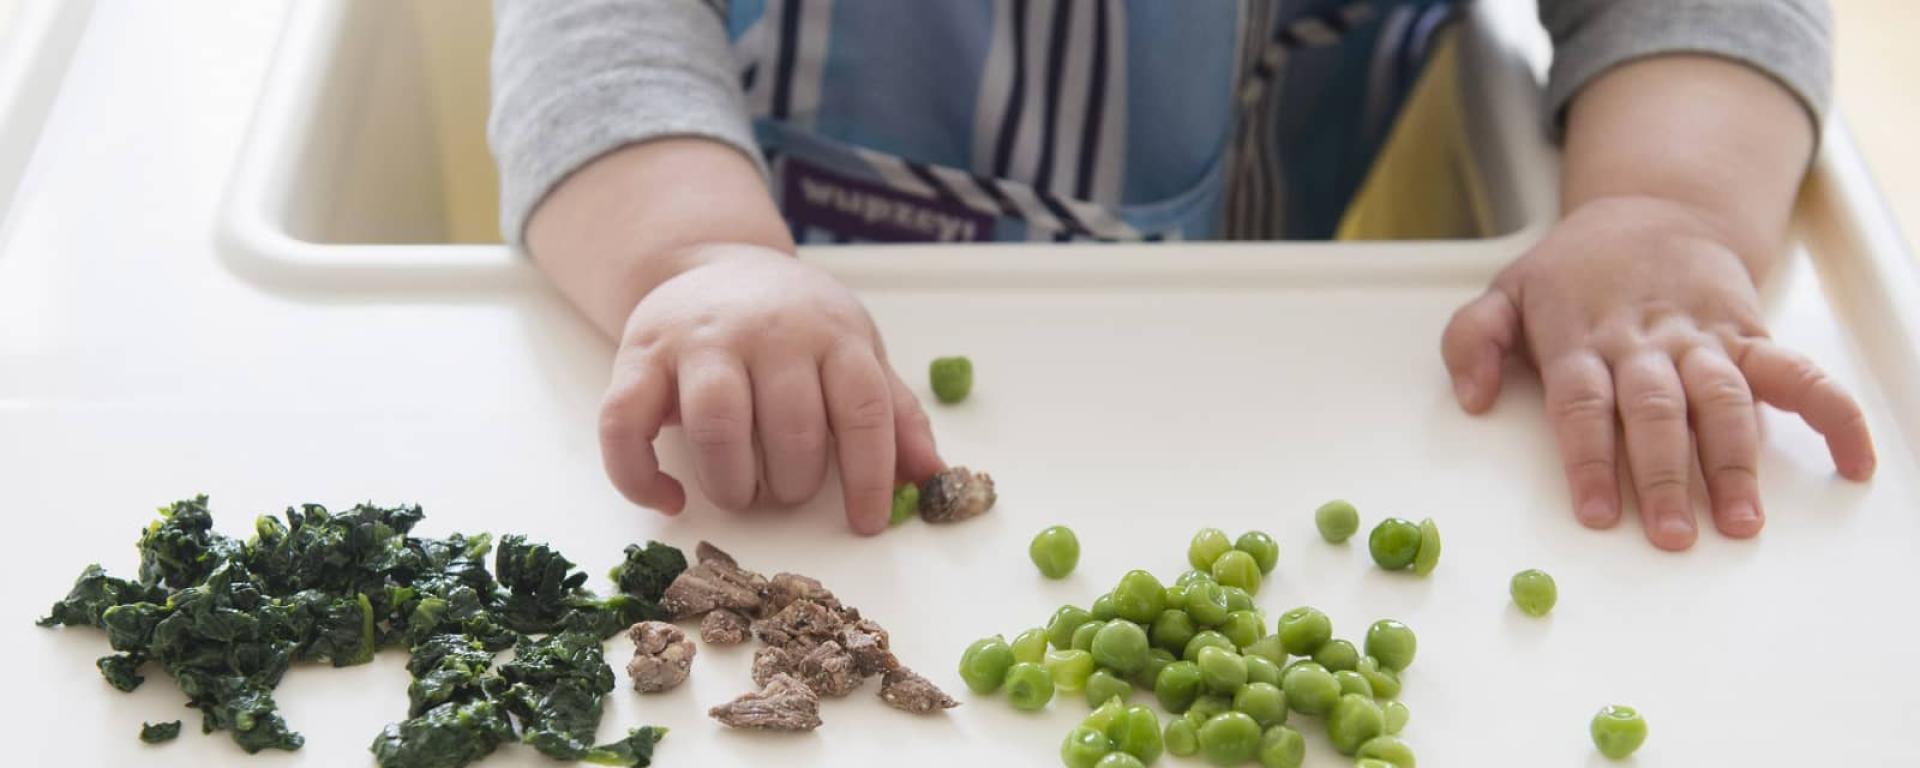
(1392, 643)
(1353, 721)
(1237, 599)
(1195, 576)
(1206, 639)
(1337, 655)
(1030, 646)
(636, 749)
(1337, 520)
(1262, 670)
(645, 572)
(1207, 604)
(1103, 685)
(1282, 747)
(1176, 597)
(1370, 762)
(952, 378)
(1385, 682)
(1084, 746)
(160, 733)
(1618, 731)
(1157, 660)
(1055, 550)
(1265, 551)
(1102, 716)
(122, 670)
(1171, 630)
(1310, 689)
(984, 665)
(1137, 732)
(1243, 628)
(1208, 545)
(1235, 568)
(1139, 597)
(1070, 669)
(1534, 592)
(1208, 705)
(1102, 608)
(1428, 557)
(1060, 628)
(1396, 714)
(1229, 738)
(1268, 648)
(1178, 685)
(1221, 670)
(1264, 702)
(1182, 737)
(1388, 749)
(1303, 630)
(93, 593)
(1120, 645)
(1353, 682)
(1029, 687)
(452, 734)
(1394, 543)
(906, 504)
(1119, 760)
(1083, 637)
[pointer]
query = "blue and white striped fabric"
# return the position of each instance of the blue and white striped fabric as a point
(965, 120)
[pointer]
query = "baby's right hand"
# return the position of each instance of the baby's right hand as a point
(761, 357)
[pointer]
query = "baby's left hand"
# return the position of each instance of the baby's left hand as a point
(1643, 321)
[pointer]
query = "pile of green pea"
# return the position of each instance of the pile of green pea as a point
(1236, 690)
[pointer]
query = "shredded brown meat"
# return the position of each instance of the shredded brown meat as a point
(662, 656)
(723, 627)
(784, 704)
(903, 689)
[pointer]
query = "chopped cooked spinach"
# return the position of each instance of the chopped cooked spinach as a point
(226, 619)
(156, 733)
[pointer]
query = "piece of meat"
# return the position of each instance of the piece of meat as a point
(724, 627)
(662, 656)
(799, 626)
(784, 588)
(868, 649)
(904, 690)
(769, 661)
(715, 582)
(783, 704)
(956, 493)
(829, 671)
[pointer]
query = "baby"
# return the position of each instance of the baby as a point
(661, 158)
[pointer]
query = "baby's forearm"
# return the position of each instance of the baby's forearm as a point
(635, 217)
(1723, 141)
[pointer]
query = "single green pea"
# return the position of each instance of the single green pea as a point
(1235, 568)
(1208, 705)
(1353, 682)
(1337, 655)
(1030, 646)
(1243, 628)
(1157, 660)
(1237, 599)
(1029, 687)
(1392, 643)
(1388, 749)
(1428, 556)
(1182, 737)
(1060, 628)
(1084, 747)
(1194, 576)
(1207, 604)
(1102, 608)
(1385, 682)
(1208, 545)
(1103, 716)
(1221, 670)
(1176, 597)
(1070, 669)
(1171, 630)
(1140, 597)
(1282, 747)
(1083, 635)
(1264, 702)
(1205, 639)
(1394, 543)
(1137, 732)
(1396, 714)
(1104, 685)
(983, 666)
(1303, 630)
(1371, 762)
(1265, 551)
(1119, 760)
(1337, 520)
(1230, 738)
(1310, 689)
(1262, 670)
(1178, 685)
(1618, 731)
(952, 378)
(1120, 645)
(1353, 721)
(906, 503)
(1268, 648)
(1534, 592)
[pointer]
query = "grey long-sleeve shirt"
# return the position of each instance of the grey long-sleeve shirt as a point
(577, 79)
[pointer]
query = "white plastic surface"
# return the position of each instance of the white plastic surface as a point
(1133, 393)
(36, 39)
